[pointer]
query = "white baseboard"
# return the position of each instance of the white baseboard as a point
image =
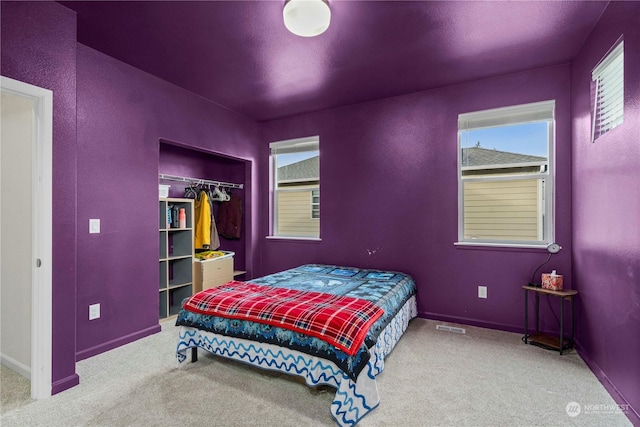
(16, 366)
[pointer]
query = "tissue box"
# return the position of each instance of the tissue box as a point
(552, 282)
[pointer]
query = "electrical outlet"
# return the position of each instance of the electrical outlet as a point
(482, 291)
(94, 311)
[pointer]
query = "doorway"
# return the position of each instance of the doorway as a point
(25, 232)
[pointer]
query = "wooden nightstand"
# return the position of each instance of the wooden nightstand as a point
(559, 343)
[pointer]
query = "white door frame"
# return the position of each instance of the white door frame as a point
(42, 258)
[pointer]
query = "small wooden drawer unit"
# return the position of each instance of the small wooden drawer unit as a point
(212, 272)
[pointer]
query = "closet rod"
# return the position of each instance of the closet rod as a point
(198, 181)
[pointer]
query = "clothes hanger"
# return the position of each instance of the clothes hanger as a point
(190, 192)
(227, 197)
(219, 196)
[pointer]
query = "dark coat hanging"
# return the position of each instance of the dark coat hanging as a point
(229, 218)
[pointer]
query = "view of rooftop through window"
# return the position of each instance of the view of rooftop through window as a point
(527, 138)
(287, 159)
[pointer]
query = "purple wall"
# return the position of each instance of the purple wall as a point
(606, 214)
(389, 196)
(39, 47)
(122, 115)
(108, 121)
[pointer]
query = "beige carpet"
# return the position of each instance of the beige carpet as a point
(432, 378)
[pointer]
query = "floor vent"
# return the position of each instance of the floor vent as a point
(451, 329)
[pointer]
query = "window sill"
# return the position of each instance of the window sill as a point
(502, 246)
(295, 239)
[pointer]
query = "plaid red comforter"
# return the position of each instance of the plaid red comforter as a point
(339, 320)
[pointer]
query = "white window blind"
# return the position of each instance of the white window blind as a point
(608, 102)
(298, 145)
(525, 113)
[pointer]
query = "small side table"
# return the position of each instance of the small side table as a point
(559, 343)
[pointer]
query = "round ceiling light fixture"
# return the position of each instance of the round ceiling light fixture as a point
(306, 18)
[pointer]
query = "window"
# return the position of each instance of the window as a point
(295, 171)
(608, 92)
(315, 204)
(505, 179)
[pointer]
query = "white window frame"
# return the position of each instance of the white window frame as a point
(297, 145)
(505, 116)
(315, 206)
(608, 93)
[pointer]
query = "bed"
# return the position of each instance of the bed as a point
(349, 368)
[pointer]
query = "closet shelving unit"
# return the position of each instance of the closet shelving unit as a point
(194, 181)
(176, 258)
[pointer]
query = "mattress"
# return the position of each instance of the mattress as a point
(388, 290)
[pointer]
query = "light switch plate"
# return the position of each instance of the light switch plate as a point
(94, 226)
(94, 311)
(482, 291)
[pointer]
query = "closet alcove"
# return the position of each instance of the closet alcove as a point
(184, 161)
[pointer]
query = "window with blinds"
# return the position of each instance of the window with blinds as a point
(295, 185)
(505, 179)
(608, 92)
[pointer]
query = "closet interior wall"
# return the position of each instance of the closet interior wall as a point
(186, 162)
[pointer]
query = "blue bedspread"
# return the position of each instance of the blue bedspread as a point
(389, 290)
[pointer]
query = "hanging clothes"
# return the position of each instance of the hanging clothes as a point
(202, 213)
(215, 239)
(230, 217)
